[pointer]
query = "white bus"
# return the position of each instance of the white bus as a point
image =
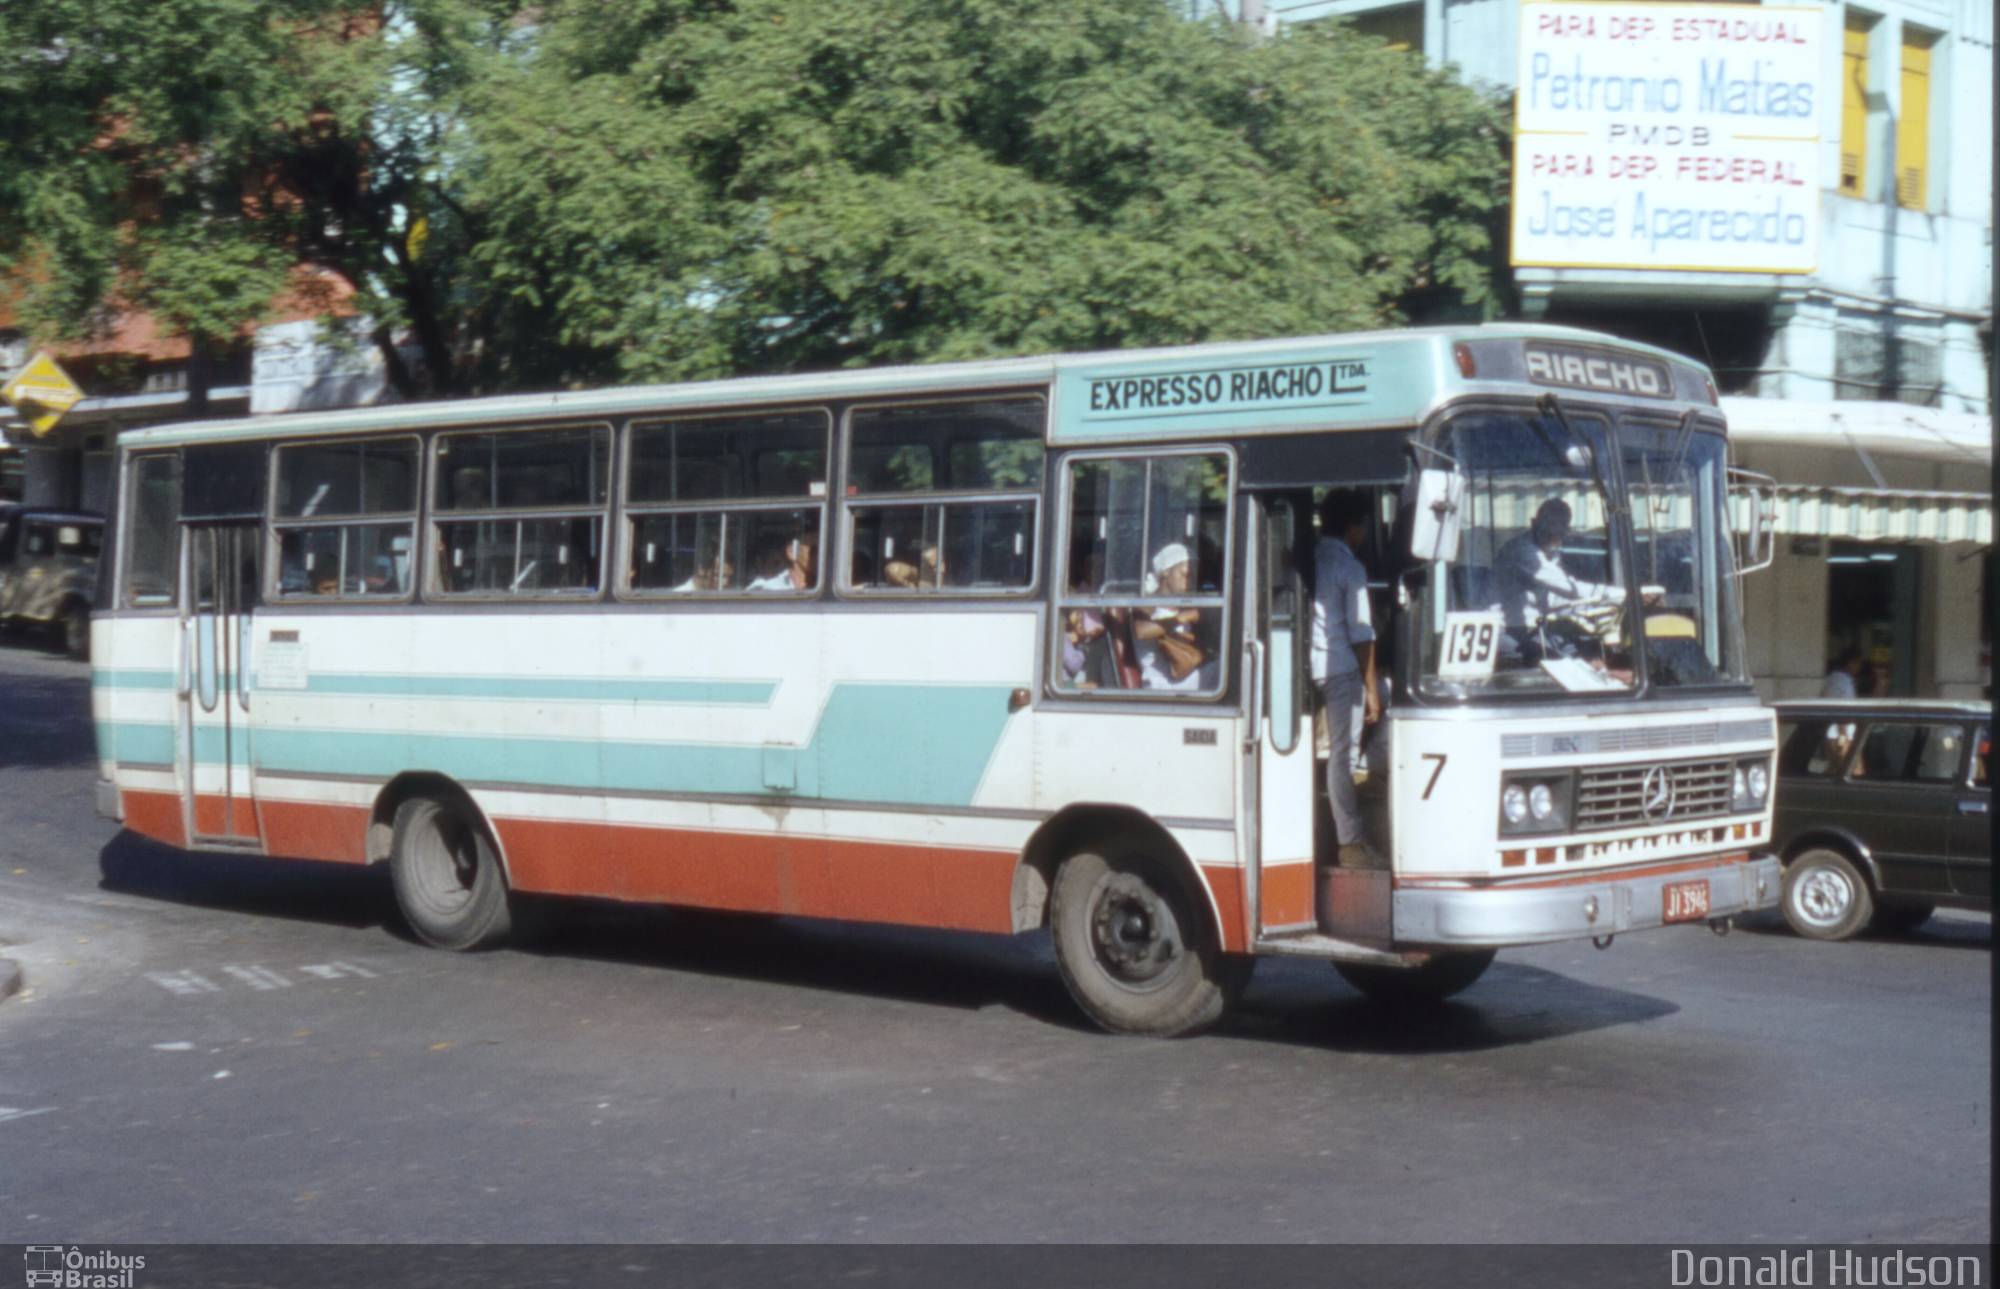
(866, 645)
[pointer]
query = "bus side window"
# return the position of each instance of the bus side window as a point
(1142, 600)
(727, 505)
(152, 544)
(521, 512)
(944, 497)
(344, 512)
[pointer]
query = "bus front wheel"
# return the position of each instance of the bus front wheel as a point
(447, 876)
(1134, 953)
(1434, 981)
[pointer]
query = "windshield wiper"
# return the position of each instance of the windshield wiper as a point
(1551, 406)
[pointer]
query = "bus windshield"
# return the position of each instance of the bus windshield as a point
(1536, 600)
(1677, 479)
(1539, 599)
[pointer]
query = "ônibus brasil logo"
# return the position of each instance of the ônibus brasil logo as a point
(58, 1266)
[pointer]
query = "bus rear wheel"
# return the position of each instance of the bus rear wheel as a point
(447, 876)
(1433, 982)
(1134, 952)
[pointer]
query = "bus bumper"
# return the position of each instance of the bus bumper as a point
(108, 803)
(1496, 916)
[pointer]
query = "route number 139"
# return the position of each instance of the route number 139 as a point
(1471, 642)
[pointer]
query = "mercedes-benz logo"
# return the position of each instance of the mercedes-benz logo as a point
(1656, 794)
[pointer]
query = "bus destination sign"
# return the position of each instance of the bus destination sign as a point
(1271, 392)
(1575, 368)
(1235, 389)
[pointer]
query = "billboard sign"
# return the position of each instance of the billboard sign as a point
(1667, 136)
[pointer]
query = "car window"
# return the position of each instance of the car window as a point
(1982, 761)
(1812, 748)
(1910, 753)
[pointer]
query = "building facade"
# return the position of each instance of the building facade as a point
(1855, 359)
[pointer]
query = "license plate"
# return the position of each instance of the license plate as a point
(1685, 901)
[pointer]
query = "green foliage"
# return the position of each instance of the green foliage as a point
(680, 189)
(583, 191)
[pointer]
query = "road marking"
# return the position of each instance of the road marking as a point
(335, 970)
(257, 977)
(187, 983)
(173, 1047)
(9, 1112)
(183, 983)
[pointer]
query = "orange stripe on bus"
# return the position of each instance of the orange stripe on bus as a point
(316, 830)
(154, 814)
(1286, 891)
(219, 816)
(968, 890)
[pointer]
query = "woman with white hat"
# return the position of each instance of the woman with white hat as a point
(1170, 654)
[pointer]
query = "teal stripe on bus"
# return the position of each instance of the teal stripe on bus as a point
(895, 744)
(609, 689)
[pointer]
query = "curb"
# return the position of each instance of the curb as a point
(10, 978)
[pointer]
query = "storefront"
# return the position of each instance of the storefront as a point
(1885, 531)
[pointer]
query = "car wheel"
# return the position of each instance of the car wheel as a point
(447, 876)
(1134, 952)
(1433, 982)
(1826, 898)
(1901, 919)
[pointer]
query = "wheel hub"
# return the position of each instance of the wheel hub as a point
(1824, 897)
(1134, 934)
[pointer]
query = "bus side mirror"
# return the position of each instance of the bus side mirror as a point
(1434, 519)
(1753, 518)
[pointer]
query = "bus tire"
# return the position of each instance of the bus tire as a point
(1433, 982)
(447, 876)
(1134, 951)
(1826, 897)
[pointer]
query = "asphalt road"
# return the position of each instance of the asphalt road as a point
(214, 1049)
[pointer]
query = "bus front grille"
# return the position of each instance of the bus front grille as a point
(1618, 797)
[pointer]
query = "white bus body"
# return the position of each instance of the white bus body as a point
(559, 720)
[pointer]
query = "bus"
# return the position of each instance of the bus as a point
(890, 645)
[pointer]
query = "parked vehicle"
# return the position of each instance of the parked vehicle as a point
(1882, 810)
(48, 571)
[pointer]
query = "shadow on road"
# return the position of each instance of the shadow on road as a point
(939, 968)
(298, 890)
(1290, 1001)
(1512, 1005)
(47, 722)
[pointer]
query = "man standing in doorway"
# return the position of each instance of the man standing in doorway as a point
(1343, 658)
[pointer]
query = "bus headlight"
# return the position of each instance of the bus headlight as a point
(1749, 785)
(1536, 801)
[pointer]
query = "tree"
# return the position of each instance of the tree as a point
(194, 159)
(687, 188)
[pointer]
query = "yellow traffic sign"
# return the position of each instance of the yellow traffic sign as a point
(41, 392)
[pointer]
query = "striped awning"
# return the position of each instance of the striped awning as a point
(1878, 514)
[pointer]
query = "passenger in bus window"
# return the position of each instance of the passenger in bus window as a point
(711, 573)
(925, 569)
(785, 566)
(1171, 653)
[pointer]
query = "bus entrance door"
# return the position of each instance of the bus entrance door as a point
(214, 746)
(1277, 739)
